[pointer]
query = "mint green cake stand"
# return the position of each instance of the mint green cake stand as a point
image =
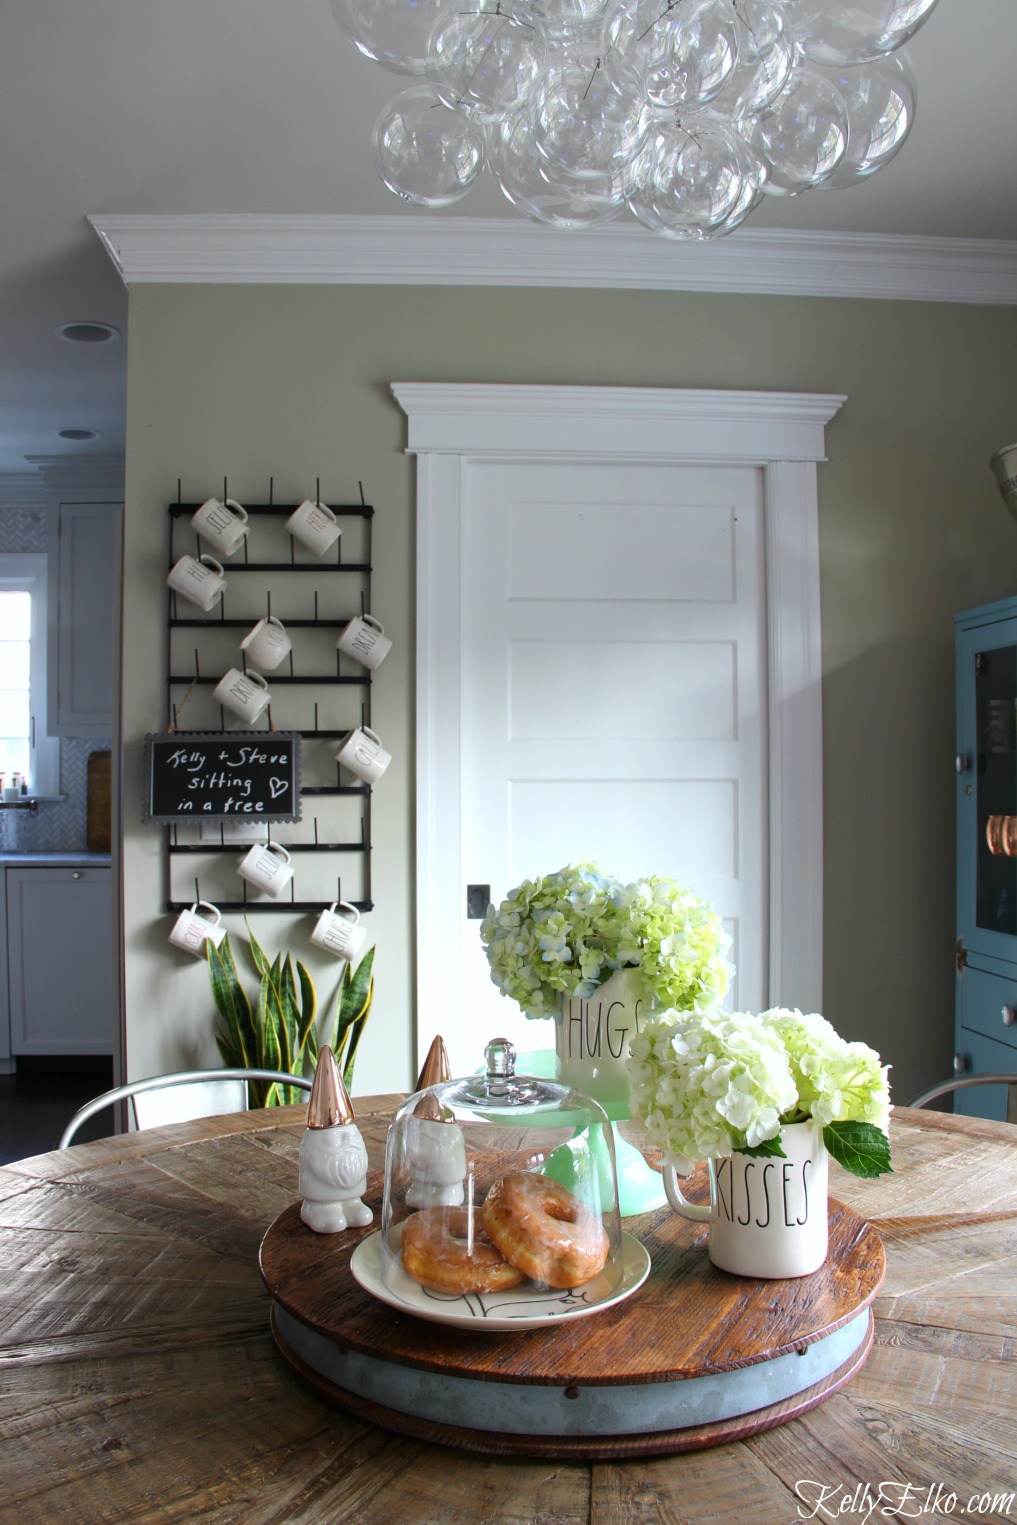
(640, 1187)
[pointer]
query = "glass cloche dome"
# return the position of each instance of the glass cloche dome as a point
(501, 1201)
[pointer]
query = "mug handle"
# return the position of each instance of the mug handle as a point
(241, 510)
(698, 1212)
(209, 907)
(347, 907)
(210, 561)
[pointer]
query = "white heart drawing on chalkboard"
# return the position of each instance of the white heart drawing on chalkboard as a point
(278, 786)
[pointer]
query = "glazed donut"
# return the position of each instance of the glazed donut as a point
(437, 1254)
(539, 1226)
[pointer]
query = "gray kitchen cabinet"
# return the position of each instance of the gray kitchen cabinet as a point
(82, 604)
(59, 959)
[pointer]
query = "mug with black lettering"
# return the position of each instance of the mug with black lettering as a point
(245, 694)
(364, 755)
(268, 867)
(337, 932)
(267, 643)
(191, 930)
(365, 640)
(200, 579)
(314, 525)
(223, 523)
(767, 1213)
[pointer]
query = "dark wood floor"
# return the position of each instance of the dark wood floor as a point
(39, 1101)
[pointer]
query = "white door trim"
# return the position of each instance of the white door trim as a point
(781, 432)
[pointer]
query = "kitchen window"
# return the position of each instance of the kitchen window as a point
(25, 745)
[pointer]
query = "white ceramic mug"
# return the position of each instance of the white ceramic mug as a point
(267, 866)
(191, 931)
(363, 754)
(199, 579)
(267, 644)
(339, 934)
(314, 525)
(246, 694)
(365, 640)
(768, 1216)
(223, 523)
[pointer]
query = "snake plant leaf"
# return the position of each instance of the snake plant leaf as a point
(355, 1030)
(308, 1013)
(355, 995)
(258, 954)
(232, 1004)
(268, 1025)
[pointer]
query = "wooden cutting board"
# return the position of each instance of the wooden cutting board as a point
(98, 835)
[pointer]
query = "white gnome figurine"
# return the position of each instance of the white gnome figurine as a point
(435, 1150)
(333, 1160)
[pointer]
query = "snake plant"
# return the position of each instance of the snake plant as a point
(278, 1031)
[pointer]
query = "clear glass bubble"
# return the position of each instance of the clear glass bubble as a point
(565, 20)
(803, 136)
(544, 193)
(854, 31)
(671, 54)
(394, 33)
(485, 59)
(425, 153)
(688, 183)
(881, 98)
(580, 122)
(765, 58)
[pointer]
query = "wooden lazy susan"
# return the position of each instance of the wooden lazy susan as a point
(692, 1358)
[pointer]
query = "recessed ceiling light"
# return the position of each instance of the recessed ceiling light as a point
(88, 333)
(79, 434)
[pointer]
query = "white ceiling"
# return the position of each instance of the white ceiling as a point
(264, 106)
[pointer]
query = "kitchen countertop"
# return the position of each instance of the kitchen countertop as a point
(53, 859)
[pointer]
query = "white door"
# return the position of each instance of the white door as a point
(613, 695)
(618, 657)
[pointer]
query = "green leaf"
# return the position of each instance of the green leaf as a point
(308, 1013)
(861, 1148)
(257, 952)
(231, 1003)
(766, 1149)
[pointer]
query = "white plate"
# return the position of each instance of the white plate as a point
(524, 1307)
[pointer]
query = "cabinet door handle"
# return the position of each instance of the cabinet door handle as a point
(960, 1063)
(962, 763)
(76, 873)
(1008, 1016)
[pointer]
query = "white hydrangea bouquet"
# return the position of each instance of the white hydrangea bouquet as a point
(565, 934)
(714, 1083)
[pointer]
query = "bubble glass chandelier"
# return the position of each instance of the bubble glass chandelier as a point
(685, 113)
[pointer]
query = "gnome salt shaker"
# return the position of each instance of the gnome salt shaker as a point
(435, 1152)
(333, 1160)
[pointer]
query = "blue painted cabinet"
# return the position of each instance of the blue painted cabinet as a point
(986, 1005)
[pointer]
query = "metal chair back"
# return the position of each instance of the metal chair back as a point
(181, 1097)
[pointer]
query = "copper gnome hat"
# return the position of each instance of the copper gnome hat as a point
(436, 1070)
(330, 1105)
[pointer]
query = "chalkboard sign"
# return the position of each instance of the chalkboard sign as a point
(223, 776)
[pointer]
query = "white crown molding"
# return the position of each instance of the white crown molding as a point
(475, 251)
(92, 479)
(667, 423)
(22, 489)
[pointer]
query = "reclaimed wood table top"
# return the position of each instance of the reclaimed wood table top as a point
(139, 1380)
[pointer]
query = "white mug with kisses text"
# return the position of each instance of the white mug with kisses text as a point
(200, 579)
(267, 644)
(339, 934)
(363, 754)
(268, 867)
(365, 640)
(245, 694)
(314, 525)
(191, 931)
(223, 523)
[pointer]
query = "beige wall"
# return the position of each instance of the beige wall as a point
(292, 382)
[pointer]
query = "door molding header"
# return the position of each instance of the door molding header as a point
(657, 423)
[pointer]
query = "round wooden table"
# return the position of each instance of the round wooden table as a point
(140, 1381)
